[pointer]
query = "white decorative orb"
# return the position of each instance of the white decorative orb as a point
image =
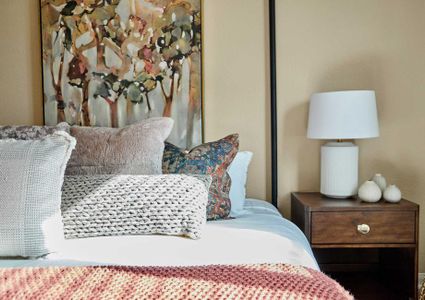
(392, 194)
(380, 181)
(370, 192)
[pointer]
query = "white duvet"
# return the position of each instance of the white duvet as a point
(258, 235)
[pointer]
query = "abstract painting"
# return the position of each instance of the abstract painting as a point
(115, 62)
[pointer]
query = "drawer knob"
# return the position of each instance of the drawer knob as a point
(363, 228)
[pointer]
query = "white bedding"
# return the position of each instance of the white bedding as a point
(258, 235)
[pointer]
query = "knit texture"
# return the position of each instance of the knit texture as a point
(31, 176)
(106, 205)
(263, 281)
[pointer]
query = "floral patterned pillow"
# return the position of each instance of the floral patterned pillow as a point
(24, 132)
(207, 159)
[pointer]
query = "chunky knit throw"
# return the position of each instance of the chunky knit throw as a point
(106, 205)
(263, 281)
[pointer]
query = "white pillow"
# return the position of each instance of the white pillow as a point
(238, 172)
(31, 177)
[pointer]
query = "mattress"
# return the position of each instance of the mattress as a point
(258, 235)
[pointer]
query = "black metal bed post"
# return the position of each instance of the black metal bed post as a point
(273, 100)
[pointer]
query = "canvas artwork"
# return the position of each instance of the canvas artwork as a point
(115, 62)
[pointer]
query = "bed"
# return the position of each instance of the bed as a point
(227, 242)
(138, 229)
(258, 255)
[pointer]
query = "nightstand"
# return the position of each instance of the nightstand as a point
(370, 248)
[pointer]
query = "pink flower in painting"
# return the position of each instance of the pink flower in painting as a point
(148, 66)
(147, 53)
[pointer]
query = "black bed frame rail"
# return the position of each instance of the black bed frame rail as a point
(273, 100)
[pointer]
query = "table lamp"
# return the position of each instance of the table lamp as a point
(341, 117)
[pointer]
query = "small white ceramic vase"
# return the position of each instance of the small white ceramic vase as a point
(370, 192)
(380, 181)
(392, 194)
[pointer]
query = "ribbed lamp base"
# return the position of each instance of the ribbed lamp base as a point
(339, 170)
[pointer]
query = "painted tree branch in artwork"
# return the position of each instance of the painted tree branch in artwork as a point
(116, 62)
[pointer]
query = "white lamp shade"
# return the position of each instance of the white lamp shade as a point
(343, 115)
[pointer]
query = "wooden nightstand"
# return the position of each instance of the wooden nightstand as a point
(371, 249)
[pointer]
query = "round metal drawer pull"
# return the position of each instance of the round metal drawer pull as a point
(363, 228)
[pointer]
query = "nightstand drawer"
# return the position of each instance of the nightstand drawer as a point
(370, 227)
(378, 260)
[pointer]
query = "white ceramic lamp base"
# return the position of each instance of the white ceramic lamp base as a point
(339, 170)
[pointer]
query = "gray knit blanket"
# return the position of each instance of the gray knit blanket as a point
(110, 205)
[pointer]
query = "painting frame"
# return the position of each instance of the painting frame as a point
(201, 138)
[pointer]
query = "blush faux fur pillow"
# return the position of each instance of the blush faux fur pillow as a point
(133, 150)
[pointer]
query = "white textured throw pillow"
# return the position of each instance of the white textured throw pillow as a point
(31, 176)
(238, 172)
(109, 205)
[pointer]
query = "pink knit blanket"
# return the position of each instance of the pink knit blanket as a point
(263, 281)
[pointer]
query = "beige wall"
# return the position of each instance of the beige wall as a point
(345, 44)
(20, 66)
(322, 45)
(236, 80)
